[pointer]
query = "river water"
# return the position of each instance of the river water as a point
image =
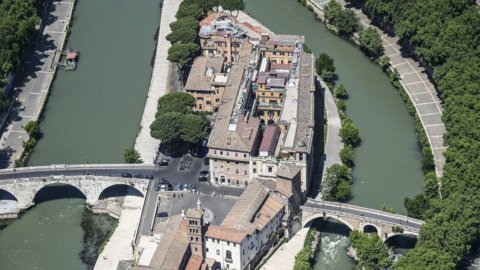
(388, 161)
(92, 115)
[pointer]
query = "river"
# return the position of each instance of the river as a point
(388, 161)
(92, 115)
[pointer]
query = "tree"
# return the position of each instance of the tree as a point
(185, 23)
(346, 155)
(182, 35)
(167, 127)
(349, 132)
(194, 128)
(347, 23)
(337, 183)
(389, 209)
(417, 206)
(341, 92)
(331, 11)
(32, 128)
(371, 250)
(303, 259)
(3, 101)
(180, 102)
(187, 9)
(325, 68)
(430, 185)
(371, 42)
(182, 54)
(131, 155)
(384, 62)
(233, 5)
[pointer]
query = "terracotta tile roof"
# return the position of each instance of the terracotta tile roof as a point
(194, 263)
(280, 66)
(269, 141)
(227, 234)
(269, 210)
(288, 171)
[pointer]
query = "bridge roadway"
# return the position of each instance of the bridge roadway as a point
(362, 215)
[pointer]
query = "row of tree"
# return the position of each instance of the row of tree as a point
(184, 38)
(445, 36)
(17, 23)
(370, 250)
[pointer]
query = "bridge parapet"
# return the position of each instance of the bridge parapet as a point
(356, 218)
(23, 190)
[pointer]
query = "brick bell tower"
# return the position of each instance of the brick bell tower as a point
(195, 229)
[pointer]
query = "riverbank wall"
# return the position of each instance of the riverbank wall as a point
(145, 144)
(36, 83)
(413, 78)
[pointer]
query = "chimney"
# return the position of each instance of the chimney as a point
(229, 48)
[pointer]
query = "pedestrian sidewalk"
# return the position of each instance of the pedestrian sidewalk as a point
(284, 257)
(145, 144)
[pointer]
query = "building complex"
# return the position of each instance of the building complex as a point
(260, 89)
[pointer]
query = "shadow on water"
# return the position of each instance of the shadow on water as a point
(6, 196)
(401, 241)
(57, 192)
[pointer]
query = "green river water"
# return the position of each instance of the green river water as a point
(94, 113)
(388, 162)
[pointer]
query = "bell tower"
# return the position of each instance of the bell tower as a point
(195, 233)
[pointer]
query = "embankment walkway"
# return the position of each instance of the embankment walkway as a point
(333, 144)
(145, 144)
(284, 257)
(34, 80)
(416, 82)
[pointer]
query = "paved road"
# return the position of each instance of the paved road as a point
(33, 81)
(363, 213)
(334, 143)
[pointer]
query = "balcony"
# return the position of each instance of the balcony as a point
(270, 105)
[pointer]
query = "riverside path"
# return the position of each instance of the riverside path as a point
(34, 79)
(145, 144)
(333, 144)
(415, 81)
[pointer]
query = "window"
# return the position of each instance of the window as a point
(246, 183)
(300, 156)
(236, 171)
(206, 249)
(199, 98)
(254, 170)
(254, 163)
(270, 169)
(245, 155)
(245, 172)
(215, 152)
(228, 243)
(218, 252)
(234, 244)
(228, 153)
(228, 256)
(209, 102)
(236, 154)
(238, 183)
(221, 153)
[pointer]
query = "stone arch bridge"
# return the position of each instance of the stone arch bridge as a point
(22, 190)
(360, 218)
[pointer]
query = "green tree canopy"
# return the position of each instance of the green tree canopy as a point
(341, 92)
(131, 155)
(416, 206)
(194, 128)
(371, 42)
(332, 9)
(188, 9)
(167, 127)
(32, 128)
(232, 5)
(185, 22)
(371, 250)
(182, 35)
(175, 102)
(337, 183)
(346, 155)
(182, 53)
(349, 132)
(347, 23)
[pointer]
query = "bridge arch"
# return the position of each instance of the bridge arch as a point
(118, 190)
(393, 235)
(8, 202)
(369, 228)
(54, 191)
(308, 221)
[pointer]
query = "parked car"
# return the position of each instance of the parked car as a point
(162, 214)
(202, 178)
(186, 187)
(149, 177)
(163, 187)
(206, 161)
(163, 181)
(139, 175)
(163, 162)
(204, 173)
(169, 187)
(194, 188)
(127, 175)
(157, 187)
(179, 187)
